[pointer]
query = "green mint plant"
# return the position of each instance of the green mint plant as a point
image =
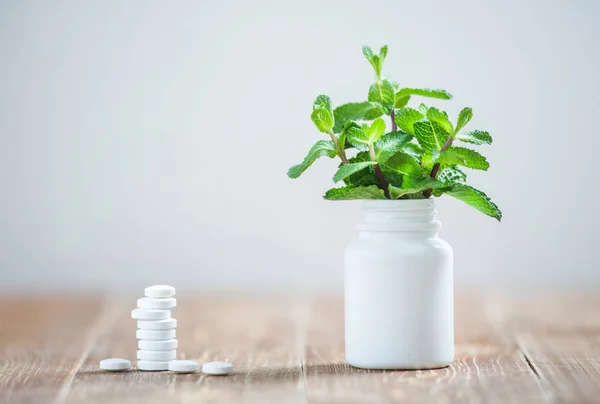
(416, 158)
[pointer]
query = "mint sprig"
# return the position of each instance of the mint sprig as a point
(416, 157)
(321, 149)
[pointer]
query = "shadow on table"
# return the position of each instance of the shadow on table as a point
(342, 372)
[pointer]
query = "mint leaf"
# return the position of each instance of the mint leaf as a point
(390, 144)
(322, 102)
(427, 161)
(441, 118)
(475, 137)
(356, 111)
(401, 101)
(451, 175)
(397, 192)
(413, 185)
(464, 157)
(356, 136)
(413, 150)
(322, 120)
(374, 60)
(370, 178)
(463, 118)
(424, 92)
(363, 177)
(363, 192)
(406, 118)
(423, 109)
(322, 114)
(401, 163)
(366, 135)
(346, 170)
(320, 149)
(375, 131)
(360, 157)
(431, 135)
(474, 198)
(368, 52)
(383, 53)
(392, 177)
(383, 93)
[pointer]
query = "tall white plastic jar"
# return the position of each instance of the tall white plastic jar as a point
(399, 289)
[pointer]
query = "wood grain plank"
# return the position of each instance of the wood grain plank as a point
(41, 343)
(260, 336)
(487, 368)
(291, 350)
(560, 336)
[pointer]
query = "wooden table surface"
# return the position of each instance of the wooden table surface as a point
(291, 349)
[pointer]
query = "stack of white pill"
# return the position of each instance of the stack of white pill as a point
(157, 345)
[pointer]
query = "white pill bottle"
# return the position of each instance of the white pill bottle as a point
(399, 289)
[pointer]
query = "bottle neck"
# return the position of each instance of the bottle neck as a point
(399, 218)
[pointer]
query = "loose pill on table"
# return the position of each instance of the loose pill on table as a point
(159, 291)
(156, 303)
(152, 365)
(115, 364)
(157, 355)
(149, 314)
(164, 345)
(217, 368)
(184, 366)
(166, 324)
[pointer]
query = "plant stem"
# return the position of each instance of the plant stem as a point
(436, 166)
(341, 152)
(379, 174)
(394, 124)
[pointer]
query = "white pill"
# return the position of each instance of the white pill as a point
(155, 334)
(217, 368)
(156, 303)
(164, 345)
(159, 291)
(165, 324)
(157, 355)
(184, 366)
(115, 364)
(153, 365)
(147, 314)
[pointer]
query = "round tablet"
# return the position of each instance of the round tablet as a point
(148, 314)
(115, 364)
(155, 334)
(153, 365)
(164, 345)
(184, 366)
(166, 324)
(159, 291)
(157, 355)
(217, 368)
(156, 303)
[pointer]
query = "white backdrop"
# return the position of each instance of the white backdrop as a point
(148, 141)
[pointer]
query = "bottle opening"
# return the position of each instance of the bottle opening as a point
(399, 215)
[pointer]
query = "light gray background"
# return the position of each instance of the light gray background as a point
(148, 141)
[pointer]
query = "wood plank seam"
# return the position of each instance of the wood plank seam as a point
(107, 315)
(544, 385)
(546, 391)
(302, 321)
(497, 318)
(531, 366)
